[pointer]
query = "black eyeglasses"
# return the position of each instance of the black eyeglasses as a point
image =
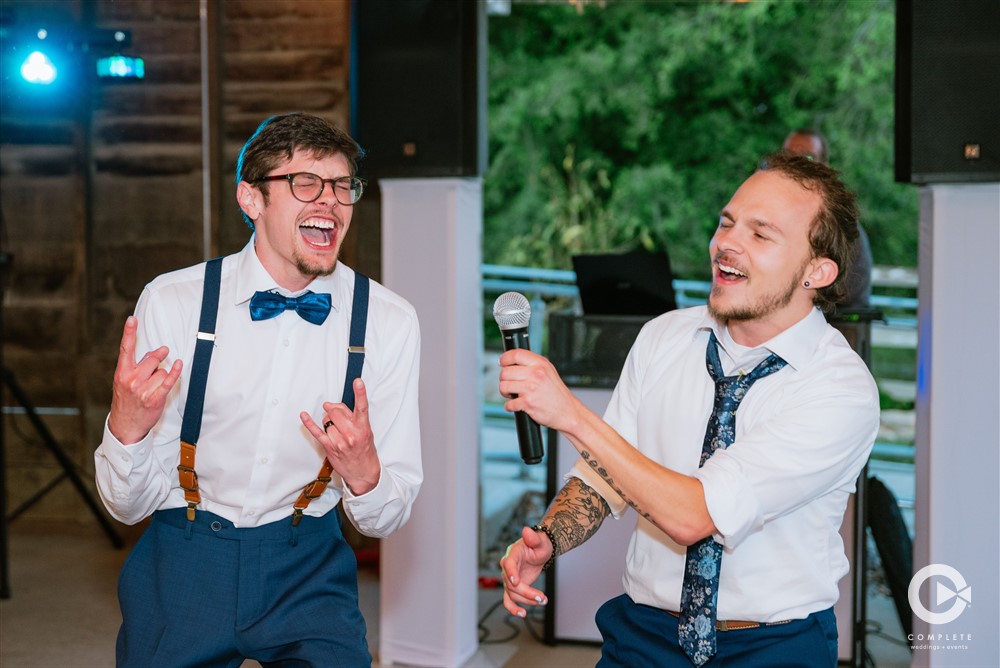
(307, 187)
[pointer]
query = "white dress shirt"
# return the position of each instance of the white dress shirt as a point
(254, 456)
(777, 495)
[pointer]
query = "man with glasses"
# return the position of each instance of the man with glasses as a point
(239, 427)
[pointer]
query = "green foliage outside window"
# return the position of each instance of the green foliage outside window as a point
(631, 124)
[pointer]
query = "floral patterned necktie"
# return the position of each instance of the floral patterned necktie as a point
(700, 590)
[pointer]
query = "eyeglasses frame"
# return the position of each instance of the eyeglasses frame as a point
(289, 178)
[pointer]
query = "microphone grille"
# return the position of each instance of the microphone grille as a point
(511, 310)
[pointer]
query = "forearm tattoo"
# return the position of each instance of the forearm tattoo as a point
(587, 457)
(575, 515)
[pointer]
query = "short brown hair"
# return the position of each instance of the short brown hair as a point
(279, 137)
(833, 233)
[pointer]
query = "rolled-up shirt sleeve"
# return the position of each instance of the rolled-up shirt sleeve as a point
(815, 441)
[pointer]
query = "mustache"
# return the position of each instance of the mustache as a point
(725, 258)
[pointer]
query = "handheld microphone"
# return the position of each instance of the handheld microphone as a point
(512, 312)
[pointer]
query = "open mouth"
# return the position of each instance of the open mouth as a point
(318, 233)
(729, 274)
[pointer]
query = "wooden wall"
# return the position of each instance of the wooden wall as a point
(104, 191)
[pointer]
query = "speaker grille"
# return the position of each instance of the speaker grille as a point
(947, 91)
(418, 87)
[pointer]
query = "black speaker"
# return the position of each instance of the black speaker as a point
(947, 91)
(418, 87)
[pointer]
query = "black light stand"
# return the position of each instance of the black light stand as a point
(855, 325)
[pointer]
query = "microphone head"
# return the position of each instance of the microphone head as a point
(511, 310)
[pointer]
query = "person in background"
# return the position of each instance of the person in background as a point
(252, 395)
(736, 431)
(813, 144)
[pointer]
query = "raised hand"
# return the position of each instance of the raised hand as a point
(347, 438)
(140, 390)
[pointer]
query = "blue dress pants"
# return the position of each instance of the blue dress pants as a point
(636, 635)
(207, 594)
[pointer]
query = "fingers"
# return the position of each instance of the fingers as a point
(135, 374)
(126, 352)
(169, 377)
(516, 597)
(518, 591)
(533, 539)
(319, 433)
(337, 430)
(139, 391)
(360, 398)
(521, 356)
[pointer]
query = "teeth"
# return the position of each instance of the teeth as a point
(319, 223)
(731, 270)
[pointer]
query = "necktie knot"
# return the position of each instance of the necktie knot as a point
(313, 307)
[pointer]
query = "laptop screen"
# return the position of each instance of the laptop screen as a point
(634, 283)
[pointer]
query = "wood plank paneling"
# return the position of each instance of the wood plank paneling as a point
(103, 193)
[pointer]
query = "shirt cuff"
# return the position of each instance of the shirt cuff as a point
(731, 501)
(124, 458)
(598, 484)
(371, 501)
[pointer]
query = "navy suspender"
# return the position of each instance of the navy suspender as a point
(191, 425)
(356, 346)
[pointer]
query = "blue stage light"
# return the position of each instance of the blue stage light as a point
(38, 68)
(121, 67)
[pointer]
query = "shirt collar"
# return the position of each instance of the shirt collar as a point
(796, 345)
(251, 276)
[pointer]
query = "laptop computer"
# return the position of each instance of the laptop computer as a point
(634, 283)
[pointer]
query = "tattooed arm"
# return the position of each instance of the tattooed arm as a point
(673, 502)
(574, 516)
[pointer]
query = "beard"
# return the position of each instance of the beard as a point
(314, 269)
(760, 307)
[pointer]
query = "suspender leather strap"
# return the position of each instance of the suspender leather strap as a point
(355, 362)
(193, 408)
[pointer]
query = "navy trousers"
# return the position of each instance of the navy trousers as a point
(205, 593)
(639, 635)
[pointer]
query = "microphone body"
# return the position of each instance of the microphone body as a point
(529, 434)
(512, 313)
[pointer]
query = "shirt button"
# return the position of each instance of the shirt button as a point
(287, 343)
(263, 460)
(251, 513)
(274, 402)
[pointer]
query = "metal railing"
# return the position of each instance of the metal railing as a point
(897, 329)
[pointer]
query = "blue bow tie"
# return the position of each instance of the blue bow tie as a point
(312, 306)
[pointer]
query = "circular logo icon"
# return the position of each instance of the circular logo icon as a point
(959, 593)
